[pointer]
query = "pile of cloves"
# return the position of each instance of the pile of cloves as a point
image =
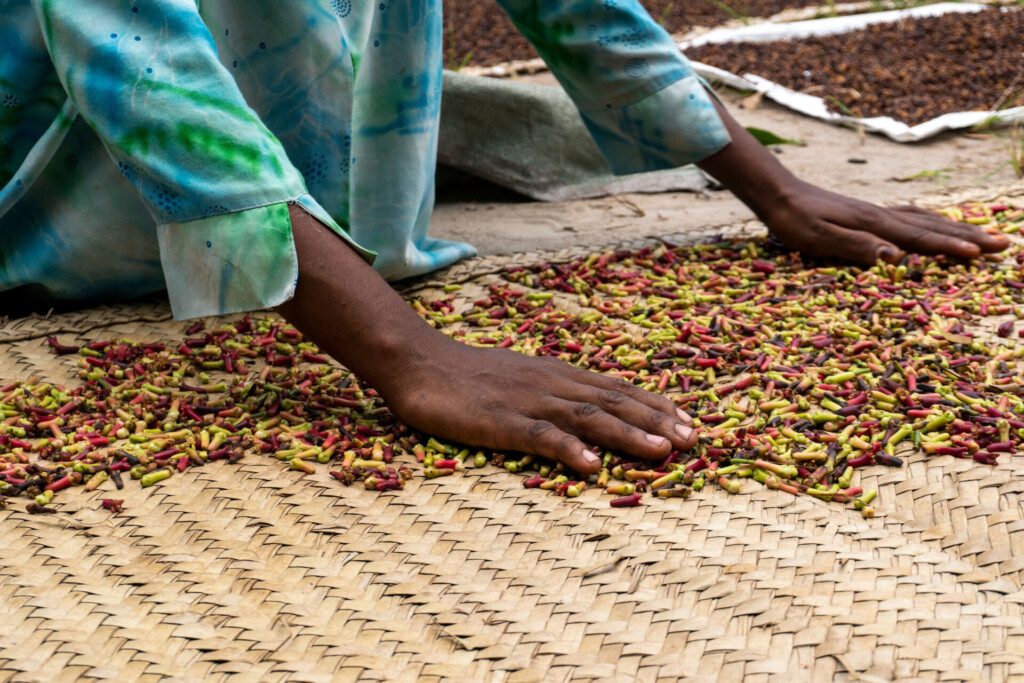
(798, 375)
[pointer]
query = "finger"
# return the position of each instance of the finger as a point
(641, 416)
(653, 413)
(910, 234)
(858, 246)
(544, 438)
(655, 401)
(988, 243)
(594, 425)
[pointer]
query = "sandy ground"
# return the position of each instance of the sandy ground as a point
(837, 158)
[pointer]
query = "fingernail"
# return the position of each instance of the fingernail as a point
(685, 433)
(970, 247)
(886, 253)
(683, 415)
(656, 440)
(591, 458)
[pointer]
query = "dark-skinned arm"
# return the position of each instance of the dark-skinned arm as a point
(818, 222)
(482, 397)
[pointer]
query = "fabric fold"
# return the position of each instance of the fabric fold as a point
(238, 261)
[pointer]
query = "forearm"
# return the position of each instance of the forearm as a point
(747, 168)
(349, 310)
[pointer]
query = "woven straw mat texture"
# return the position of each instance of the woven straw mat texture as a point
(255, 572)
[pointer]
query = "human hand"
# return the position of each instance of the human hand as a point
(504, 400)
(820, 223)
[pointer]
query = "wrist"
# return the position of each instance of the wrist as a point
(348, 310)
(772, 192)
(392, 358)
(758, 181)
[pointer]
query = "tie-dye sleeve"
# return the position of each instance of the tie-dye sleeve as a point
(637, 94)
(146, 78)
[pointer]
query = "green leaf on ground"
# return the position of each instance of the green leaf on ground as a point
(939, 174)
(767, 138)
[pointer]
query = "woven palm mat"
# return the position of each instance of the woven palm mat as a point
(257, 572)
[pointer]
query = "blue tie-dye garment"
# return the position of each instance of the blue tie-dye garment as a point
(153, 143)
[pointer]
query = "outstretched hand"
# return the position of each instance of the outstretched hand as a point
(505, 400)
(817, 222)
(820, 223)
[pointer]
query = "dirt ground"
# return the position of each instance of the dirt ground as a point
(837, 158)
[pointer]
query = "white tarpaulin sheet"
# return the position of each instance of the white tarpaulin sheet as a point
(815, 106)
